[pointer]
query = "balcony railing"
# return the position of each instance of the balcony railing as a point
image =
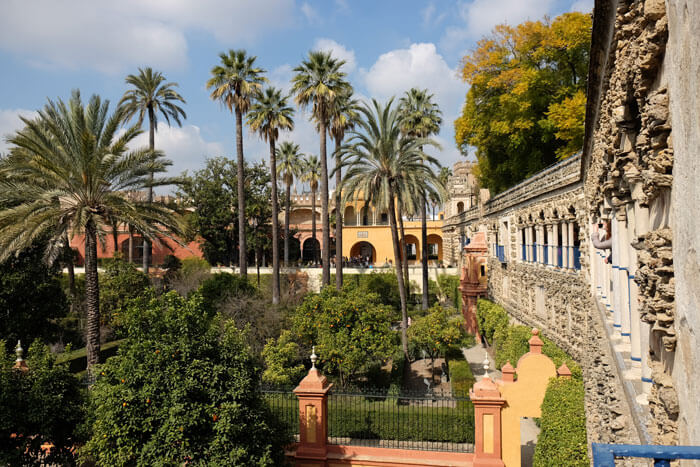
(500, 252)
(604, 454)
(559, 255)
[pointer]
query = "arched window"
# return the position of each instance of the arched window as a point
(460, 207)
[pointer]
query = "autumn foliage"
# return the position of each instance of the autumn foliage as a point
(526, 105)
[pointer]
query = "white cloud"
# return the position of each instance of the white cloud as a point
(429, 17)
(185, 146)
(113, 36)
(478, 17)
(338, 51)
(9, 123)
(584, 6)
(310, 13)
(421, 66)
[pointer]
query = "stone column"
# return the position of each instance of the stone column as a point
(550, 250)
(615, 292)
(555, 240)
(635, 321)
(313, 417)
(641, 214)
(571, 244)
(623, 272)
(540, 244)
(564, 245)
(488, 403)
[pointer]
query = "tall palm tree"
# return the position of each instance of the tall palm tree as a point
(344, 115)
(234, 83)
(318, 83)
(67, 173)
(290, 165)
(385, 165)
(150, 96)
(268, 115)
(312, 174)
(421, 117)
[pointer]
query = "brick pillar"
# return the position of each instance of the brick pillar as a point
(488, 403)
(313, 418)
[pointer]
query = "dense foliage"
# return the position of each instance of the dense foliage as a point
(383, 284)
(120, 282)
(350, 328)
(213, 190)
(562, 440)
(42, 405)
(183, 387)
(282, 360)
(526, 104)
(449, 290)
(437, 332)
(222, 286)
(31, 298)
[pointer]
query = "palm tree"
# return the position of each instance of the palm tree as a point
(151, 95)
(421, 117)
(234, 83)
(290, 166)
(318, 83)
(268, 116)
(312, 174)
(385, 165)
(344, 114)
(67, 173)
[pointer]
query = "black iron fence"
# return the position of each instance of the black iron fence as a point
(284, 404)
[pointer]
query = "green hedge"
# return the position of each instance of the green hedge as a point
(461, 377)
(562, 440)
(77, 359)
(449, 288)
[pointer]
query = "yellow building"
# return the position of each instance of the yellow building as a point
(366, 232)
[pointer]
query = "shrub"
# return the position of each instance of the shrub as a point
(562, 440)
(183, 387)
(193, 271)
(43, 405)
(219, 287)
(461, 377)
(282, 361)
(511, 343)
(120, 282)
(490, 318)
(449, 290)
(437, 332)
(351, 330)
(384, 284)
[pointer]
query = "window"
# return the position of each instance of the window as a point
(460, 207)
(433, 251)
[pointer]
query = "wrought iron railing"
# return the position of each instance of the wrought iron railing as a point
(405, 420)
(604, 454)
(283, 403)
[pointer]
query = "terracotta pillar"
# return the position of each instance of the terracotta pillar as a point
(488, 403)
(313, 418)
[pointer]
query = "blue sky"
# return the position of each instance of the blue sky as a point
(48, 48)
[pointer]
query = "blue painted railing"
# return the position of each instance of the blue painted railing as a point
(604, 454)
(534, 252)
(524, 252)
(545, 251)
(500, 253)
(577, 258)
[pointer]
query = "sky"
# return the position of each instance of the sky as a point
(48, 48)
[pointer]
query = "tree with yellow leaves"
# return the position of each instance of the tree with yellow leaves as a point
(526, 105)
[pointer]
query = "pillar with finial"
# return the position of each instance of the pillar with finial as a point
(488, 403)
(312, 393)
(20, 364)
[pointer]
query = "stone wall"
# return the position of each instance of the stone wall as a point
(630, 163)
(684, 68)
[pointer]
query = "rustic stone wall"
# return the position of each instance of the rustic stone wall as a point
(684, 68)
(631, 162)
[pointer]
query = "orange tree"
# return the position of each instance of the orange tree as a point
(526, 105)
(183, 388)
(350, 328)
(437, 332)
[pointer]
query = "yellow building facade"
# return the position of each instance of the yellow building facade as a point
(366, 233)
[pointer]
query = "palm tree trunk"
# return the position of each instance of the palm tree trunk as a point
(242, 250)
(131, 244)
(286, 225)
(152, 147)
(405, 247)
(338, 222)
(424, 251)
(326, 251)
(92, 297)
(115, 238)
(399, 275)
(71, 272)
(275, 221)
(313, 224)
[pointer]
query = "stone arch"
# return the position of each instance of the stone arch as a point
(364, 249)
(434, 247)
(311, 250)
(349, 216)
(460, 207)
(412, 247)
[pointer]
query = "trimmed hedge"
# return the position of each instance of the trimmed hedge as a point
(77, 359)
(562, 440)
(461, 377)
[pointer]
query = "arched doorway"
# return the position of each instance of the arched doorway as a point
(411, 248)
(294, 250)
(363, 250)
(434, 247)
(311, 252)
